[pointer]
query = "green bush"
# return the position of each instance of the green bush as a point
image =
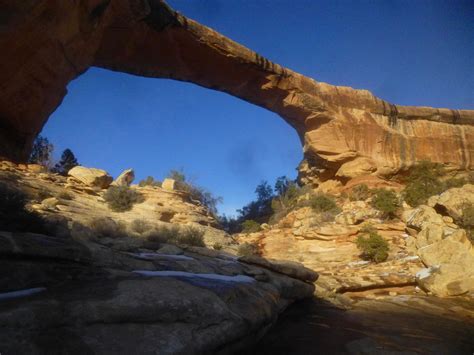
(372, 245)
(423, 182)
(250, 226)
(122, 198)
(386, 201)
(467, 220)
(14, 216)
(324, 203)
(360, 193)
(191, 236)
(248, 249)
(217, 246)
(140, 226)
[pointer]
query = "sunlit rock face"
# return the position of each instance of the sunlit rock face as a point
(345, 132)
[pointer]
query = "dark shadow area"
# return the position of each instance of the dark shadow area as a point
(387, 326)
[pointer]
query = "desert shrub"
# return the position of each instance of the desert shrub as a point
(359, 193)
(250, 226)
(423, 182)
(248, 249)
(64, 195)
(217, 246)
(122, 198)
(467, 220)
(191, 236)
(323, 203)
(14, 216)
(149, 181)
(164, 234)
(372, 245)
(386, 201)
(140, 226)
(197, 193)
(104, 227)
(454, 182)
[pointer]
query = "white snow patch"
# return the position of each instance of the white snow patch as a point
(215, 277)
(151, 256)
(357, 263)
(424, 273)
(21, 293)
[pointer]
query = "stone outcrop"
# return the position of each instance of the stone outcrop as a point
(125, 178)
(91, 177)
(344, 132)
(75, 205)
(59, 295)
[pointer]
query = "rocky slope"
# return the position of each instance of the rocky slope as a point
(77, 291)
(428, 251)
(344, 132)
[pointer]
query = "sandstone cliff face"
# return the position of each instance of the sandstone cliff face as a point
(344, 132)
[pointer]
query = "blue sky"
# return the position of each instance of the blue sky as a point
(407, 52)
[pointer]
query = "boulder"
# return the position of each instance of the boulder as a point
(125, 178)
(358, 167)
(445, 280)
(452, 201)
(169, 184)
(421, 216)
(91, 176)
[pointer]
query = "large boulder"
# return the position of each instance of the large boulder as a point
(91, 176)
(125, 178)
(452, 201)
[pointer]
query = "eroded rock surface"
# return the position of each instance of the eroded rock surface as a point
(59, 295)
(344, 132)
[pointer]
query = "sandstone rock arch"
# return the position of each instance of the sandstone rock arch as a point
(344, 132)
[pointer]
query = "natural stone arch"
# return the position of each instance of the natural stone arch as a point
(344, 132)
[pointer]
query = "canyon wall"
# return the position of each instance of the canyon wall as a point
(344, 132)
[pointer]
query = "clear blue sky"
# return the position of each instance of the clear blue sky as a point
(408, 52)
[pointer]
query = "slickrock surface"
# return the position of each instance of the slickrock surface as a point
(68, 201)
(345, 132)
(60, 295)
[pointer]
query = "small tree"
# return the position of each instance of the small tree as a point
(42, 152)
(250, 226)
(423, 182)
(372, 245)
(67, 162)
(386, 201)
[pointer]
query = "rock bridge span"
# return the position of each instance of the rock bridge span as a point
(344, 132)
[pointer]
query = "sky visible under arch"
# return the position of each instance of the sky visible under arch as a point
(406, 52)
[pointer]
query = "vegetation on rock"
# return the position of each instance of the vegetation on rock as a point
(42, 152)
(372, 245)
(104, 227)
(386, 201)
(360, 193)
(149, 181)
(140, 226)
(122, 198)
(66, 163)
(205, 197)
(467, 220)
(175, 235)
(250, 226)
(191, 236)
(423, 182)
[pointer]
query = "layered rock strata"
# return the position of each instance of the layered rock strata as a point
(344, 132)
